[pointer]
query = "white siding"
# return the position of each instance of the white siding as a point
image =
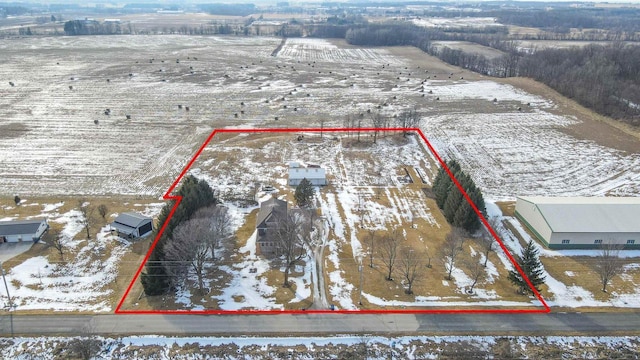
(533, 218)
(589, 238)
(316, 176)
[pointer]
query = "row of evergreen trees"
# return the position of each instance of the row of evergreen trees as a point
(195, 194)
(454, 206)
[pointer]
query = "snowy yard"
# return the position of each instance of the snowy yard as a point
(83, 280)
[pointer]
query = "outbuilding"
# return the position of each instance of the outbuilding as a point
(132, 225)
(315, 174)
(581, 222)
(22, 230)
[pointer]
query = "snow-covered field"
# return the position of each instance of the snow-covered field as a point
(48, 131)
(524, 152)
(50, 142)
(335, 347)
(459, 22)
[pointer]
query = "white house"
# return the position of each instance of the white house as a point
(581, 222)
(22, 230)
(315, 174)
(132, 225)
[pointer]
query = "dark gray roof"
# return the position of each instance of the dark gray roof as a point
(20, 227)
(129, 220)
(270, 207)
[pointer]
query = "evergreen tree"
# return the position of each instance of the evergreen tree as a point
(304, 193)
(531, 266)
(440, 186)
(195, 194)
(455, 207)
(452, 203)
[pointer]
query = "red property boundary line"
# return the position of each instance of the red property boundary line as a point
(178, 199)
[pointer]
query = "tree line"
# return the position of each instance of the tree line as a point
(455, 207)
(605, 79)
(161, 274)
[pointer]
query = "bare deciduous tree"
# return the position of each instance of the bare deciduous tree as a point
(388, 251)
(408, 119)
(488, 242)
(103, 210)
(372, 237)
(451, 249)
(608, 263)
(476, 272)
(54, 238)
(219, 225)
(410, 268)
(85, 348)
(291, 235)
(378, 121)
(188, 251)
(87, 211)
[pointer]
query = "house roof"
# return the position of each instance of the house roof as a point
(270, 207)
(20, 227)
(589, 214)
(129, 221)
(309, 173)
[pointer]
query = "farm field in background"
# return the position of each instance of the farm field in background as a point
(308, 82)
(165, 94)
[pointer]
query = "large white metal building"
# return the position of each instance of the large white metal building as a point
(581, 222)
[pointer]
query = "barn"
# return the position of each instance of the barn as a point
(315, 174)
(132, 225)
(22, 230)
(581, 222)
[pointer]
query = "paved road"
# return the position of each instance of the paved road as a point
(326, 324)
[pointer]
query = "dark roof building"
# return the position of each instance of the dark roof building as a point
(132, 225)
(271, 212)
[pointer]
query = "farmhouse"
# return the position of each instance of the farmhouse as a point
(132, 225)
(271, 212)
(23, 230)
(315, 174)
(581, 222)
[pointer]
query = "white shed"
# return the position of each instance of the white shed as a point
(22, 230)
(581, 222)
(316, 175)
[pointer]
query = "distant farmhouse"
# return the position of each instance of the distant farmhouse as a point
(22, 230)
(314, 173)
(132, 225)
(271, 213)
(581, 222)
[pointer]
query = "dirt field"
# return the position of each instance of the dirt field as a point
(469, 47)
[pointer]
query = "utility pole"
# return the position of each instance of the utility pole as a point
(8, 297)
(360, 269)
